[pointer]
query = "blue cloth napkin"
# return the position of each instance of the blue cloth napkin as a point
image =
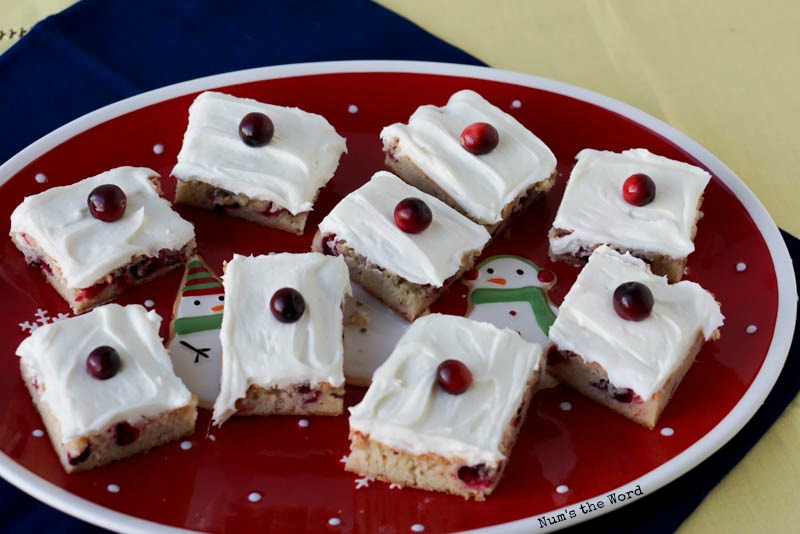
(98, 52)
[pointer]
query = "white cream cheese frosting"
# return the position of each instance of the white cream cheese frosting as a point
(86, 249)
(288, 171)
(482, 185)
(406, 409)
(639, 355)
(594, 211)
(257, 349)
(365, 220)
(145, 385)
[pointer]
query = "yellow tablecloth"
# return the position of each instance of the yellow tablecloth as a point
(725, 73)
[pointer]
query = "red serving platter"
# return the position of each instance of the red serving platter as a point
(272, 473)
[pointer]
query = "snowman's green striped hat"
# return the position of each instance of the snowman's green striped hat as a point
(199, 280)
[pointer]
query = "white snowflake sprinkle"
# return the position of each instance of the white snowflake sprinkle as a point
(28, 327)
(42, 316)
(363, 482)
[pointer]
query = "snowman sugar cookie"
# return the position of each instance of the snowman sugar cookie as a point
(511, 292)
(194, 333)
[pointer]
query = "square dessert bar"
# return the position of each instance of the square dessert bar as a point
(444, 410)
(104, 386)
(633, 201)
(625, 337)
(91, 250)
(256, 161)
(473, 156)
(281, 336)
(403, 246)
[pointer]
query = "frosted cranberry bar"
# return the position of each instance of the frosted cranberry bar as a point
(100, 236)
(255, 161)
(444, 410)
(625, 337)
(403, 246)
(473, 156)
(634, 201)
(104, 386)
(281, 336)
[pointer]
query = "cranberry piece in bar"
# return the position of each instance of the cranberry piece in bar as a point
(480, 138)
(453, 376)
(107, 202)
(287, 305)
(639, 190)
(256, 129)
(103, 362)
(633, 301)
(412, 215)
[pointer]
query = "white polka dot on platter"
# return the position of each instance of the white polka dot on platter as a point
(352, 109)
(149, 303)
(667, 431)
(416, 527)
(334, 521)
(516, 104)
(562, 489)
(741, 267)
(303, 423)
(158, 148)
(212, 437)
(38, 433)
(112, 488)
(40, 178)
(752, 329)
(186, 445)
(565, 406)
(254, 497)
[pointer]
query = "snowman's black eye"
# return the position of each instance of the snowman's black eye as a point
(221, 297)
(520, 272)
(196, 303)
(490, 270)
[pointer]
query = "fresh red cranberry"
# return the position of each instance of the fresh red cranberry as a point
(639, 189)
(471, 274)
(287, 305)
(633, 301)
(476, 476)
(545, 276)
(623, 395)
(125, 433)
(256, 129)
(103, 362)
(453, 376)
(479, 138)
(412, 215)
(82, 457)
(107, 202)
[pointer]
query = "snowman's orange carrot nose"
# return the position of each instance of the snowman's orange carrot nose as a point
(217, 308)
(499, 281)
